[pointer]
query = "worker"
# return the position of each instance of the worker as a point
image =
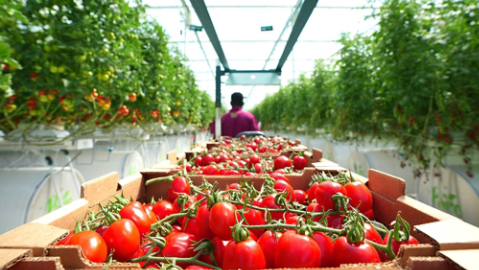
(236, 120)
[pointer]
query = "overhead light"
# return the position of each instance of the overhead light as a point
(196, 28)
(266, 28)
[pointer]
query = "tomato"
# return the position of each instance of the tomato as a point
(176, 228)
(349, 253)
(138, 254)
(246, 255)
(138, 216)
(283, 186)
(262, 149)
(311, 190)
(207, 160)
(258, 167)
(314, 207)
(210, 170)
(335, 221)
(297, 251)
(299, 196)
(270, 202)
(151, 215)
(369, 214)
(372, 234)
(149, 206)
(194, 266)
(218, 251)
(203, 229)
(395, 245)
(253, 159)
(200, 196)
(279, 176)
(325, 244)
(123, 239)
(293, 219)
(180, 185)
(268, 242)
(222, 217)
(92, 245)
(65, 240)
(179, 245)
(282, 162)
(234, 186)
(359, 196)
(163, 208)
(177, 207)
(101, 230)
(146, 245)
(325, 191)
(254, 217)
(299, 162)
(199, 161)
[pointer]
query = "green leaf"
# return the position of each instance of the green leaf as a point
(19, 16)
(5, 81)
(4, 51)
(66, 82)
(12, 62)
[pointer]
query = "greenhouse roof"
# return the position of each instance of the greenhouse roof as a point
(238, 26)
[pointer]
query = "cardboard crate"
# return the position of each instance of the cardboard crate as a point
(429, 224)
(21, 259)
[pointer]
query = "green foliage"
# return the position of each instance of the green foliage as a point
(413, 80)
(83, 62)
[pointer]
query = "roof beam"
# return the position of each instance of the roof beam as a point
(303, 17)
(205, 19)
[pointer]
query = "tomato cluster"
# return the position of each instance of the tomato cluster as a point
(240, 227)
(258, 155)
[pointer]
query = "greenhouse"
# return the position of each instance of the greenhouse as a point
(208, 134)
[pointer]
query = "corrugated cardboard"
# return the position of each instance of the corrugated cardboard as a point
(20, 259)
(462, 259)
(8, 257)
(386, 204)
(32, 236)
(451, 234)
(94, 191)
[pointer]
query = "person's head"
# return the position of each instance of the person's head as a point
(237, 99)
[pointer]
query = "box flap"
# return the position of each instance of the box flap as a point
(32, 236)
(451, 234)
(408, 251)
(317, 154)
(133, 186)
(164, 165)
(426, 263)
(38, 263)
(95, 190)
(11, 256)
(171, 156)
(324, 164)
(462, 259)
(390, 187)
(66, 216)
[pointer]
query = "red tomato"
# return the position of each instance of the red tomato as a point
(335, 221)
(151, 215)
(258, 167)
(176, 228)
(262, 149)
(207, 159)
(92, 245)
(199, 161)
(254, 217)
(138, 216)
(372, 234)
(359, 196)
(325, 244)
(253, 159)
(234, 186)
(268, 242)
(311, 190)
(222, 217)
(149, 206)
(314, 207)
(203, 217)
(279, 176)
(270, 202)
(299, 196)
(194, 266)
(177, 207)
(146, 245)
(246, 255)
(190, 225)
(282, 162)
(179, 245)
(325, 191)
(396, 245)
(200, 196)
(293, 219)
(297, 251)
(218, 251)
(349, 253)
(299, 162)
(123, 239)
(101, 230)
(369, 214)
(217, 159)
(138, 254)
(65, 240)
(210, 170)
(163, 208)
(283, 186)
(180, 185)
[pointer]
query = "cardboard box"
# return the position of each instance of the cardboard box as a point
(388, 196)
(20, 259)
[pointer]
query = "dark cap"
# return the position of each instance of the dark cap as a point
(237, 99)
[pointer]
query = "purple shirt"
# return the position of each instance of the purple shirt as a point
(235, 122)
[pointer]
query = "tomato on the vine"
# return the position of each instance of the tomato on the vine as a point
(246, 254)
(359, 196)
(345, 252)
(221, 219)
(138, 215)
(180, 245)
(325, 244)
(395, 245)
(282, 162)
(268, 243)
(325, 191)
(297, 251)
(163, 209)
(218, 251)
(123, 239)
(299, 162)
(92, 245)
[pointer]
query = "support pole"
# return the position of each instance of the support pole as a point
(218, 102)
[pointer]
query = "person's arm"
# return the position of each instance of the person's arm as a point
(254, 125)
